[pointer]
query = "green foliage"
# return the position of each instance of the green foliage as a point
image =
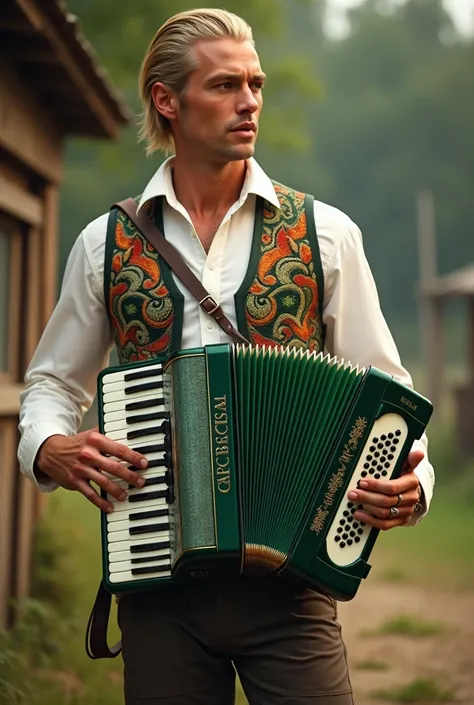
(408, 625)
(396, 119)
(421, 690)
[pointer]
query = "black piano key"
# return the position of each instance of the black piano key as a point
(144, 404)
(157, 494)
(140, 432)
(164, 462)
(151, 481)
(170, 495)
(148, 529)
(154, 448)
(152, 569)
(155, 546)
(147, 559)
(149, 515)
(141, 418)
(147, 386)
(141, 374)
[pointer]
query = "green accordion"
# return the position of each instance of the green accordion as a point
(251, 454)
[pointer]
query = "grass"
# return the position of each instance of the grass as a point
(421, 690)
(393, 575)
(407, 625)
(372, 665)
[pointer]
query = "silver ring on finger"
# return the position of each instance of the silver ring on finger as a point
(399, 500)
(394, 512)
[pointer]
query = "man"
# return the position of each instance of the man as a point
(201, 87)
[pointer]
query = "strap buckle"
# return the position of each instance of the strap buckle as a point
(215, 306)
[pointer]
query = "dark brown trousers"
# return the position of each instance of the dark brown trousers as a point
(182, 646)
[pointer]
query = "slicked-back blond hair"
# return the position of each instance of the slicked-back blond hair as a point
(170, 59)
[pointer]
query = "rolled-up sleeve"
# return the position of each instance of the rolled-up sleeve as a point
(75, 345)
(357, 331)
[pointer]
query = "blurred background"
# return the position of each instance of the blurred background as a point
(370, 107)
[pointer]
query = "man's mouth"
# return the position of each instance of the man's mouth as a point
(246, 127)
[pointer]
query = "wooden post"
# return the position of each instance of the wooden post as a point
(430, 310)
(8, 473)
(470, 339)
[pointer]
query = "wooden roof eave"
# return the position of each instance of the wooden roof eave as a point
(96, 109)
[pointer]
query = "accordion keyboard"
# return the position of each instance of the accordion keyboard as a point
(138, 530)
(347, 537)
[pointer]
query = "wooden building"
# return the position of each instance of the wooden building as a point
(458, 285)
(433, 292)
(51, 87)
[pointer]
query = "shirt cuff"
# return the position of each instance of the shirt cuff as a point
(425, 474)
(31, 442)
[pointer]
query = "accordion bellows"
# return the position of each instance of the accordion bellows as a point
(252, 452)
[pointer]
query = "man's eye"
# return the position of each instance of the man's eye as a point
(227, 85)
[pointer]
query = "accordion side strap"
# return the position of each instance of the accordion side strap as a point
(96, 632)
(171, 255)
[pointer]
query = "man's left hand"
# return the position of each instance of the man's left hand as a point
(378, 497)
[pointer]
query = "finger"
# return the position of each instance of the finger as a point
(118, 450)
(91, 457)
(400, 485)
(374, 498)
(91, 475)
(383, 500)
(382, 512)
(413, 460)
(382, 524)
(93, 496)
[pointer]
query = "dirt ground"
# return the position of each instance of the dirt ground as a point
(447, 657)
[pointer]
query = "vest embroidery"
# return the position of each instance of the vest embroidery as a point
(140, 305)
(282, 303)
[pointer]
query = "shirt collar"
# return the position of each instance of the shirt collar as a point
(256, 182)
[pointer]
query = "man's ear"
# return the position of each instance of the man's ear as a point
(165, 100)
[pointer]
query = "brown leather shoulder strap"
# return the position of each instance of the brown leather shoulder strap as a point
(171, 255)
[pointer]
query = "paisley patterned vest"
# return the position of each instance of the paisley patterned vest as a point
(278, 303)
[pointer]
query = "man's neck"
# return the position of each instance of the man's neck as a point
(205, 190)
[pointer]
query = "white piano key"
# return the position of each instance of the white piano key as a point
(142, 386)
(137, 541)
(119, 506)
(139, 506)
(120, 376)
(122, 425)
(127, 524)
(125, 485)
(120, 556)
(127, 577)
(119, 395)
(128, 565)
(119, 405)
(121, 437)
(152, 472)
(115, 536)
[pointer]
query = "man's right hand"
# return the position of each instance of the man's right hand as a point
(76, 461)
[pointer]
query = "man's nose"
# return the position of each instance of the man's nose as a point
(248, 102)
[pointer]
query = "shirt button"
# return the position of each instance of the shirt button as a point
(210, 327)
(211, 267)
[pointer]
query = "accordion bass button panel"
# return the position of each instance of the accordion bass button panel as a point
(138, 532)
(346, 537)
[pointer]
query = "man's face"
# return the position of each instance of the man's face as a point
(218, 115)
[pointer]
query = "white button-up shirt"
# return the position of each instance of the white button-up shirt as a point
(75, 346)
